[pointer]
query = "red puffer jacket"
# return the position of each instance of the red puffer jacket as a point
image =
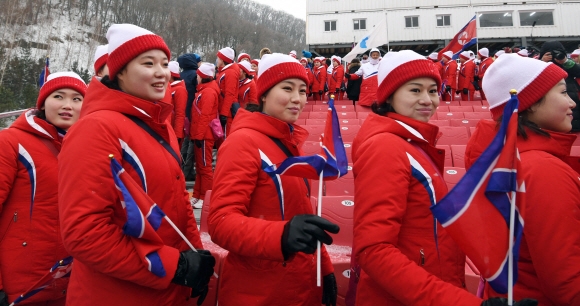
(204, 110)
(245, 217)
(450, 75)
(30, 241)
(465, 77)
(320, 75)
(549, 262)
(179, 100)
(228, 80)
(395, 184)
(107, 269)
(247, 93)
(337, 78)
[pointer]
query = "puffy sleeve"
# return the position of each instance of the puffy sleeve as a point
(8, 168)
(180, 101)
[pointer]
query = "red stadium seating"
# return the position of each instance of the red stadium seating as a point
(363, 109)
(315, 121)
(577, 141)
(344, 108)
(449, 103)
(460, 109)
(452, 175)
(325, 102)
(307, 108)
(484, 103)
(354, 122)
(443, 108)
(439, 122)
(362, 115)
(314, 132)
(471, 130)
(458, 154)
(304, 115)
(470, 103)
(348, 149)
(449, 115)
(311, 147)
(348, 133)
(339, 210)
(463, 122)
(346, 115)
(342, 102)
(481, 108)
(317, 115)
(453, 135)
(300, 122)
(478, 115)
(319, 108)
(448, 159)
(471, 277)
(575, 151)
(343, 186)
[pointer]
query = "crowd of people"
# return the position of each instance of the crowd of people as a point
(162, 119)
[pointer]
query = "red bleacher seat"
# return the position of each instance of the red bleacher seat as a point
(344, 108)
(319, 108)
(463, 122)
(452, 175)
(453, 135)
(349, 132)
(343, 186)
(354, 122)
(315, 121)
(304, 115)
(363, 109)
(448, 159)
(362, 115)
(346, 115)
(439, 122)
(460, 109)
(311, 147)
(481, 108)
(317, 115)
(575, 151)
(471, 130)
(471, 277)
(577, 141)
(300, 122)
(342, 102)
(449, 103)
(325, 102)
(314, 132)
(449, 115)
(478, 115)
(348, 149)
(339, 210)
(470, 103)
(484, 103)
(443, 108)
(458, 154)
(307, 108)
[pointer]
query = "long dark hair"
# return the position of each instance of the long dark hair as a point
(383, 108)
(112, 84)
(524, 123)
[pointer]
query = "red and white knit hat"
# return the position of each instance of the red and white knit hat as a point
(433, 56)
(499, 52)
(293, 53)
(318, 59)
(206, 71)
(304, 60)
(127, 41)
(227, 55)
(483, 52)
(277, 67)
(101, 56)
(242, 56)
(247, 67)
(448, 55)
(397, 68)
(255, 62)
(523, 53)
(533, 80)
(174, 69)
(575, 54)
(336, 58)
(59, 80)
(465, 55)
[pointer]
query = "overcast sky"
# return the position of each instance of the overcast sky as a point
(294, 7)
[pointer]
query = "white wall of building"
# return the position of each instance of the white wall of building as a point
(565, 15)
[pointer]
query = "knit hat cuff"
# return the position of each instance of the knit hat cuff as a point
(59, 83)
(279, 73)
(100, 62)
(224, 58)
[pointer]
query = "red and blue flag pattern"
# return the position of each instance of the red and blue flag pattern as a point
(331, 161)
(44, 73)
(463, 40)
(61, 269)
(143, 218)
(476, 212)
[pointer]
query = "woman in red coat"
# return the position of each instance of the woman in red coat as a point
(204, 110)
(31, 243)
(247, 91)
(265, 221)
(549, 255)
(319, 79)
(337, 77)
(125, 115)
(178, 99)
(304, 62)
(406, 258)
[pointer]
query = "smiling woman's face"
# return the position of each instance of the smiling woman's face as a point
(285, 100)
(417, 99)
(63, 107)
(146, 76)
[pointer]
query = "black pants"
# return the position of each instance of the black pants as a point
(188, 160)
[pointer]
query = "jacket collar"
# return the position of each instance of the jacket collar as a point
(28, 122)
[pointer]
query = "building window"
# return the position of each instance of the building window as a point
(539, 18)
(360, 24)
(330, 26)
(443, 20)
(497, 19)
(412, 22)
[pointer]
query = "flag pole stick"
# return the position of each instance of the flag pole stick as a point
(510, 249)
(319, 213)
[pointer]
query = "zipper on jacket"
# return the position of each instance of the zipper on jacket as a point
(14, 219)
(15, 216)
(422, 257)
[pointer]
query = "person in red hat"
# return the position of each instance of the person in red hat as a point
(244, 57)
(255, 63)
(304, 62)
(247, 90)
(100, 61)
(485, 63)
(178, 100)
(337, 78)
(31, 242)
(227, 78)
(548, 267)
(266, 222)
(466, 77)
(126, 115)
(320, 75)
(205, 109)
(368, 74)
(449, 77)
(406, 257)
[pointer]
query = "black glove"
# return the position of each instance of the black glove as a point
(320, 92)
(448, 88)
(347, 76)
(476, 78)
(457, 92)
(197, 143)
(329, 290)
(465, 91)
(201, 295)
(194, 270)
(476, 86)
(504, 302)
(336, 90)
(3, 298)
(302, 232)
(223, 120)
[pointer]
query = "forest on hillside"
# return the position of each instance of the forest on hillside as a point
(29, 28)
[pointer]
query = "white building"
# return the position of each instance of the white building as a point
(332, 26)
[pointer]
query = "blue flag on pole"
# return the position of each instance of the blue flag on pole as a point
(44, 73)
